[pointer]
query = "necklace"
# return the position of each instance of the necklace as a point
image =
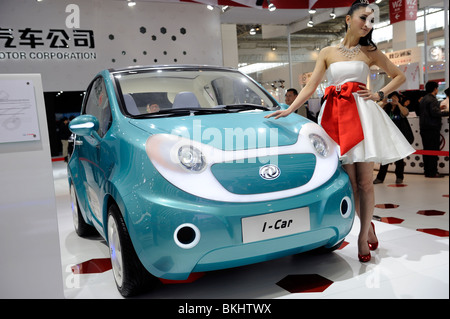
(349, 53)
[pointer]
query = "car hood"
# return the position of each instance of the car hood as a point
(230, 131)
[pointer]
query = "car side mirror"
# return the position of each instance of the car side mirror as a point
(84, 125)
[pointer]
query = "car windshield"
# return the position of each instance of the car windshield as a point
(181, 91)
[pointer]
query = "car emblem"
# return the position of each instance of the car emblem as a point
(269, 172)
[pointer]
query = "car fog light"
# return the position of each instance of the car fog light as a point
(346, 207)
(186, 236)
(191, 158)
(319, 144)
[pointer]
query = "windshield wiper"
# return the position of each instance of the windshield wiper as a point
(245, 107)
(182, 112)
(232, 108)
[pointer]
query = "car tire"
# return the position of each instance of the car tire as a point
(129, 274)
(82, 228)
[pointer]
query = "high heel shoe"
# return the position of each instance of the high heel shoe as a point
(373, 246)
(364, 258)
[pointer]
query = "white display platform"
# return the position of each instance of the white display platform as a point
(30, 257)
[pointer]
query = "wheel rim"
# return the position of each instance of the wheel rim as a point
(74, 207)
(115, 250)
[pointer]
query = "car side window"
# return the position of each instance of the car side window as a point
(97, 104)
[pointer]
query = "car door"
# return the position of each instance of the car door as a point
(90, 149)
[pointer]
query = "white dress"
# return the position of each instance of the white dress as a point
(383, 142)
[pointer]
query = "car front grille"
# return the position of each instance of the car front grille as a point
(247, 176)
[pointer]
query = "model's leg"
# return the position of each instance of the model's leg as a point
(361, 175)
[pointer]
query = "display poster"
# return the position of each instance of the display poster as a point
(18, 114)
(412, 73)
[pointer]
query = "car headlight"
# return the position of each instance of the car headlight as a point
(191, 158)
(319, 144)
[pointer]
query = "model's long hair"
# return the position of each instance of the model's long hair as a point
(367, 40)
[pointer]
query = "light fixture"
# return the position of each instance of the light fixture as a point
(210, 7)
(131, 3)
(271, 6)
(312, 11)
(310, 22)
(273, 48)
(225, 8)
(254, 29)
(333, 14)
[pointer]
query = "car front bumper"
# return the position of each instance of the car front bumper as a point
(153, 221)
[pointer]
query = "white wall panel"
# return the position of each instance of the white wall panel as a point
(148, 33)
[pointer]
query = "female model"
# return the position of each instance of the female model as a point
(363, 131)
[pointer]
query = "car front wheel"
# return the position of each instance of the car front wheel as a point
(130, 275)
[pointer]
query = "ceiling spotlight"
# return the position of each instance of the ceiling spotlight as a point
(332, 14)
(273, 48)
(252, 31)
(210, 7)
(271, 6)
(131, 3)
(312, 11)
(310, 22)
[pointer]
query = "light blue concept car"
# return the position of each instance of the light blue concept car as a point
(177, 168)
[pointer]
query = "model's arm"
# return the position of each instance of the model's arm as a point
(397, 76)
(308, 90)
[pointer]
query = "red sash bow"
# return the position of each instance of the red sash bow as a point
(340, 118)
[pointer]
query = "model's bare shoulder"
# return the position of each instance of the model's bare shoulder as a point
(327, 54)
(327, 51)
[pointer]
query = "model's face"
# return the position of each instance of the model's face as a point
(361, 22)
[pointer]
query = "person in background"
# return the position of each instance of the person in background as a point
(444, 103)
(406, 102)
(430, 123)
(152, 108)
(290, 96)
(396, 112)
(64, 134)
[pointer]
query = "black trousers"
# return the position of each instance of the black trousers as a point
(431, 140)
(399, 170)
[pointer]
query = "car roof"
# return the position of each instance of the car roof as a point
(170, 67)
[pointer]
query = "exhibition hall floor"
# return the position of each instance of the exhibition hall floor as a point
(412, 261)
